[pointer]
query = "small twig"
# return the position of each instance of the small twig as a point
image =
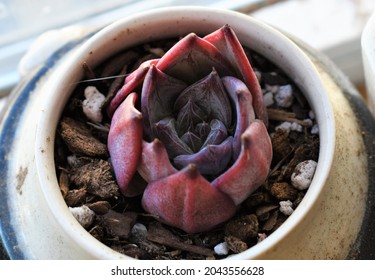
(180, 245)
(280, 115)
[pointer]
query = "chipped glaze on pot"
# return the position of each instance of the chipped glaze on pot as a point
(324, 226)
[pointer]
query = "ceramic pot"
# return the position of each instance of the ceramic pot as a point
(328, 224)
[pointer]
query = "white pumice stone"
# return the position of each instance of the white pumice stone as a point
(285, 126)
(268, 99)
(296, 127)
(261, 237)
(284, 96)
(83, 214)
(258, 74)
(286, 207)
(315, 129)
(303, 174)
(92, 105)
(72, 160)
(312, 115)
(308, 122)
(221, 249)
(272, 88)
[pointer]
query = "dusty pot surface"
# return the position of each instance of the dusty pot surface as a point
(326, 224)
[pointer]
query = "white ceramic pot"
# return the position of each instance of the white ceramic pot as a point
(35, 221)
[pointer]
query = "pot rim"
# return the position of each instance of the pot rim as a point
(285, 52)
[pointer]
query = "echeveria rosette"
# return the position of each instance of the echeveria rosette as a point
(193, 125)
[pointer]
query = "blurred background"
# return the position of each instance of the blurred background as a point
(331, 26)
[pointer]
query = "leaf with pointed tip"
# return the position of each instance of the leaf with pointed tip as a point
(211, 160)
(159, 93)
(227, 42)
(192, 140)
(125, 141)
(131, 82)
(252, 166)
(193, 58)
(189, 115)
(240, 96)
(218, 133)
(210, 95)
(188, 201)
(154, 163)
(165, 130)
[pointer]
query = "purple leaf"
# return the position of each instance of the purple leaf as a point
(210, 95)
(211, 160)
(165, 130)
(241, 96)
(159, 93)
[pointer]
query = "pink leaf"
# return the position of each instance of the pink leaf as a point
(125, 141)
(227, 42)
(193, 58)
(188, 201)
(131, 82)
(154, 163)
(252, 166)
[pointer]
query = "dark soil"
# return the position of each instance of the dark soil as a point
(86, 177)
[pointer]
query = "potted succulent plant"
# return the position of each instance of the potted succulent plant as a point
(201, 155)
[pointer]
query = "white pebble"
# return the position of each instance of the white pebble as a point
(285, 126)
(261, 237)
(84, 215)
(315, 129)
(268, 99)
(308, 122)
(284, 96)
(72, 160)
(303, 174)
(286, 207)
(92, 105)
(296, 127)
(273, 89)
(311, 114)
(258, 74)
(221, 249)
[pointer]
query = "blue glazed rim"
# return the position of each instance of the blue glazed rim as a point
(10, 117)
(9, 120)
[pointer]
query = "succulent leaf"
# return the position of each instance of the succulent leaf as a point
(125, 141)
(211, 160)
(158, 95)
(227, 42)
(241, 96)
(131, 82)
(211, 96)
(252, 166)
(193, 58)
(154, 163)
(166, 131)
(188, 201)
